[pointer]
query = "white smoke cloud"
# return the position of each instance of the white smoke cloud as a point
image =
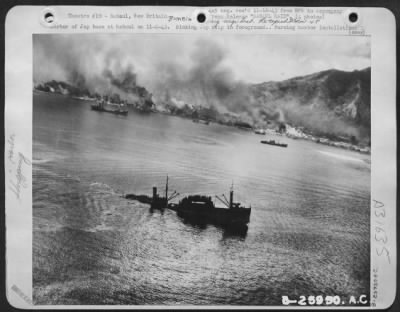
(252, 59)
(195, 70)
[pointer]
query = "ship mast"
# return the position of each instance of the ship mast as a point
(231, 197)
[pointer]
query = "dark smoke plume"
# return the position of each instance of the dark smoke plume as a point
(208, 82)
(203, 80)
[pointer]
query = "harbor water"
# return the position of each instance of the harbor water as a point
(308, 232)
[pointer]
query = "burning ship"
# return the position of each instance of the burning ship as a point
(104, 106)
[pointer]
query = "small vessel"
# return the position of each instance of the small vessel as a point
(243, 125)
(205, 122)
(202, 208)
(260, 131)
(273, 142)
(100, 106)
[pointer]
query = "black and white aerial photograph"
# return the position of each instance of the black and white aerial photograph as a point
(201, 170)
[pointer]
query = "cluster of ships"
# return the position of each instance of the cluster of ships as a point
(121, 109)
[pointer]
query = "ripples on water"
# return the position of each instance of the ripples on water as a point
(308, 234)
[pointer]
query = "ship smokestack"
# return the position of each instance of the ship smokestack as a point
(231, 199)
(166, 190)
(154, 193)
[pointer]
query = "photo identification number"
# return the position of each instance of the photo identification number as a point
(325, 300)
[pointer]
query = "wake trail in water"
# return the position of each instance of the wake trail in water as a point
(340, 156)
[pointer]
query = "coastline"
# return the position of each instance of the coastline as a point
(290, 132)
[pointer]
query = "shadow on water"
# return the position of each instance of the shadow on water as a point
(235, 232)
(227, 231)
(196, 223)
(155, 210)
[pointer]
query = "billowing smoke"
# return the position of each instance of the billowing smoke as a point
(206, 82)
(125, 80)
(87, 64)
(203, 79)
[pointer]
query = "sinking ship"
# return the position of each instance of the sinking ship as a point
(199, 208)
(156, 201)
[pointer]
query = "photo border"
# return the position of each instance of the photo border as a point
(384, 153)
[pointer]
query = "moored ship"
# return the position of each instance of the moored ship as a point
(273, 142)
(102, 106)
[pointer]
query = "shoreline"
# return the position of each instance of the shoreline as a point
(296, 134)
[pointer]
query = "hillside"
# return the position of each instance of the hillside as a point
(333, 104)
(328, 102)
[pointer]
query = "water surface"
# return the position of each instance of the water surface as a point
(308, 233)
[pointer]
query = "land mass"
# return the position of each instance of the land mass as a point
(330, 107)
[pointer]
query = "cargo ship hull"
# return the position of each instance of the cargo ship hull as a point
(274, 143)
(221, 216)
(202, 209)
